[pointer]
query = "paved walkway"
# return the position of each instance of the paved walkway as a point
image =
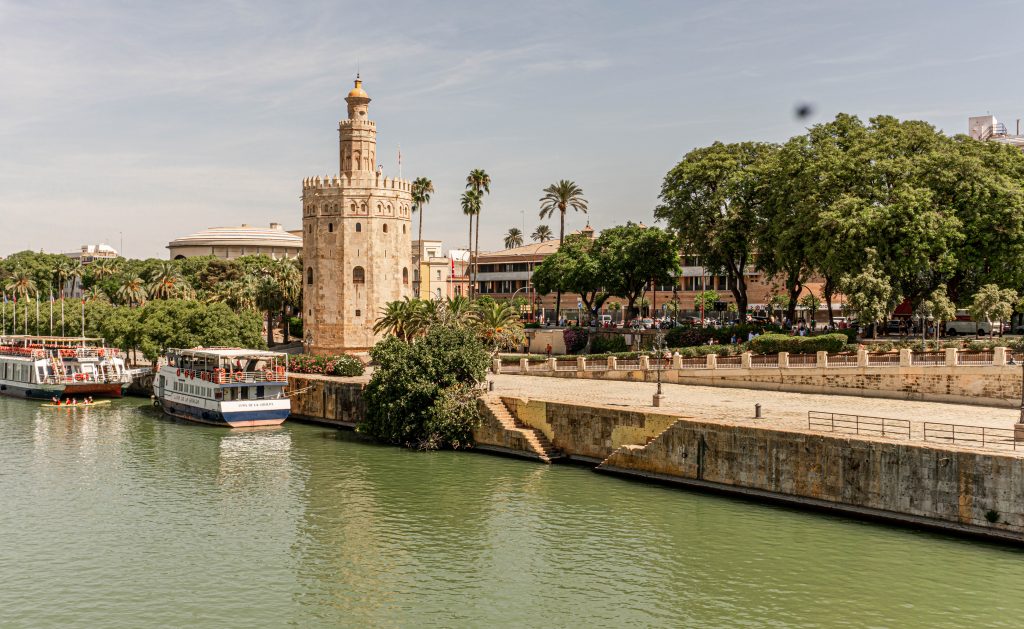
(779, 409)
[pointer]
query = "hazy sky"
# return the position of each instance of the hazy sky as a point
(160, 119)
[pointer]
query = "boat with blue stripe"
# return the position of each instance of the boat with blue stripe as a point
(224, 386)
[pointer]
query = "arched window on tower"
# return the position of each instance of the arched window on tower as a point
(330, 228)
(359, 227)
(385, 228)
(403, 228)
(405, 276)
(358, 275)
(309, 276)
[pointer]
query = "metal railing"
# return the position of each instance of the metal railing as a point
(730, 362)
(803, 360)
(842, 360)
(627, 365)
(565, 365)
(694, 363)
(597, 365)
(764, 361)
(858, 424)
(928, 359)
(971, 436)
(974, 358)
(883, 359)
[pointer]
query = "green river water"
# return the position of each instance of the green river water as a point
(117, 517)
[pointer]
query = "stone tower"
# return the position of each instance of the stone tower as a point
(356, 240)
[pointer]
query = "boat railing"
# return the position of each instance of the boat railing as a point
(222, 376)
(89, 378)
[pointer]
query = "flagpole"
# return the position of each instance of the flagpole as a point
(25, 317)
(51, 313)
(62, 312)
(83, 316)
(37, 313)
(14, 309)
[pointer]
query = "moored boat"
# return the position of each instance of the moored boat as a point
(28, 372)
(84, 366)
(224, 386)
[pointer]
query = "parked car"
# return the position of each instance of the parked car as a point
(963, 324)
(647, 323)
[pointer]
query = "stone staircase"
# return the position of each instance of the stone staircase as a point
(634, 447)
(534, 439)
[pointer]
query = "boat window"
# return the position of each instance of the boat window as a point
(259, 393)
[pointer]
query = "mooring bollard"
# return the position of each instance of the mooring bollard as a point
(757, 411)
(490, 386)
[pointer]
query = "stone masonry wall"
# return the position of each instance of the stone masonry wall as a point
(328, 400)
(958, 488)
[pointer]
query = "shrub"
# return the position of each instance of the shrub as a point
(608, 344)
(774, 343)
(533, 325)
(687, 336)
(295, 326)
(423, 393)
(575, 339)
(341, 365)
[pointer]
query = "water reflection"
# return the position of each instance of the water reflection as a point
(117, 517)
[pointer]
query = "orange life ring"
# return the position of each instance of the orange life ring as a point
(239, 376)
(79, 377)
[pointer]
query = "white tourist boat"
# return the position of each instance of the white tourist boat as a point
(48, 366)
(224, 386)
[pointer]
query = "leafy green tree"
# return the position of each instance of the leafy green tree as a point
(992, 303)
(541, 234)
(704, 300)
(633, 257)
(811, 303)
(514, 238)
(560, 197)
(715, 198)
(424, 394)
(870, 295)
(579, 266)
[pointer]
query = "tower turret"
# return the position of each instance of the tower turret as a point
(357, 136)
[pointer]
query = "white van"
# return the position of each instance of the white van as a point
(963, 324)
(604, 320)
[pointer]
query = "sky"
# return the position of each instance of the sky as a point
(140, 122)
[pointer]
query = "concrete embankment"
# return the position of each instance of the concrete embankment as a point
(950, 488)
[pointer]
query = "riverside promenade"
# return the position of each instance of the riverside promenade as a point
(780, 410)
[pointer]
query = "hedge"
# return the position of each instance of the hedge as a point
(607, 344)
(775, 343)
(342, 365)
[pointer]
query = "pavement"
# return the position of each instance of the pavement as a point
(779, 410)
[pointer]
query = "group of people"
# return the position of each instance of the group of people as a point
(70, 401)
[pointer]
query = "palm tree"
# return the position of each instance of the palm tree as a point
(470, 201)
(289, 281)
(64, 270)
(269, 299)
(541, 234)
(493, 322)
(132, 291)
(400, 318)
(22, 284)
(103, 268)
(479, 181)
(458, 310)
(422, 188)
(166, 282)
(514, 238)
(561, 196)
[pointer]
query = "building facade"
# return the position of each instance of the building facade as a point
(356, 240)
(229, 243)
(439, 275)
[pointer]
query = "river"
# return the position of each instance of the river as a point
(117, 517)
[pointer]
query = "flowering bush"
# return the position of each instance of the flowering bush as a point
(342, 365)
(575, 339)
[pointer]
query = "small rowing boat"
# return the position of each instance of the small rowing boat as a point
(79, 405)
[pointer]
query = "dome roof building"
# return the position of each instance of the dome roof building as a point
(233, 242)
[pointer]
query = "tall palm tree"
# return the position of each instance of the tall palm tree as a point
(289, 281)
(514, 238)
(64, 270)
(470, 202)
(561, 196)
(103, 268)
(479, 181)
(269, 299)
(21, 284)
(422, 188)
(166, 282)
(541, 234)
(132, 291)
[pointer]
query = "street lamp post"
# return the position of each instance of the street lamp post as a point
(658, 348)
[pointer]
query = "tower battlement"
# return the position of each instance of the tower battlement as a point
(356, 123)
(359, 180)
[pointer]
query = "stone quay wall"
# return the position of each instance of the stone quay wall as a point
(985, 379)
(327, 400)
(954, 489)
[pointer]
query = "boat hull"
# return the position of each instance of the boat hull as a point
(31, 391)
(105, 389)
(235, 419)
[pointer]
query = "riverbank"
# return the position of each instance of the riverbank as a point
(955, 489)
